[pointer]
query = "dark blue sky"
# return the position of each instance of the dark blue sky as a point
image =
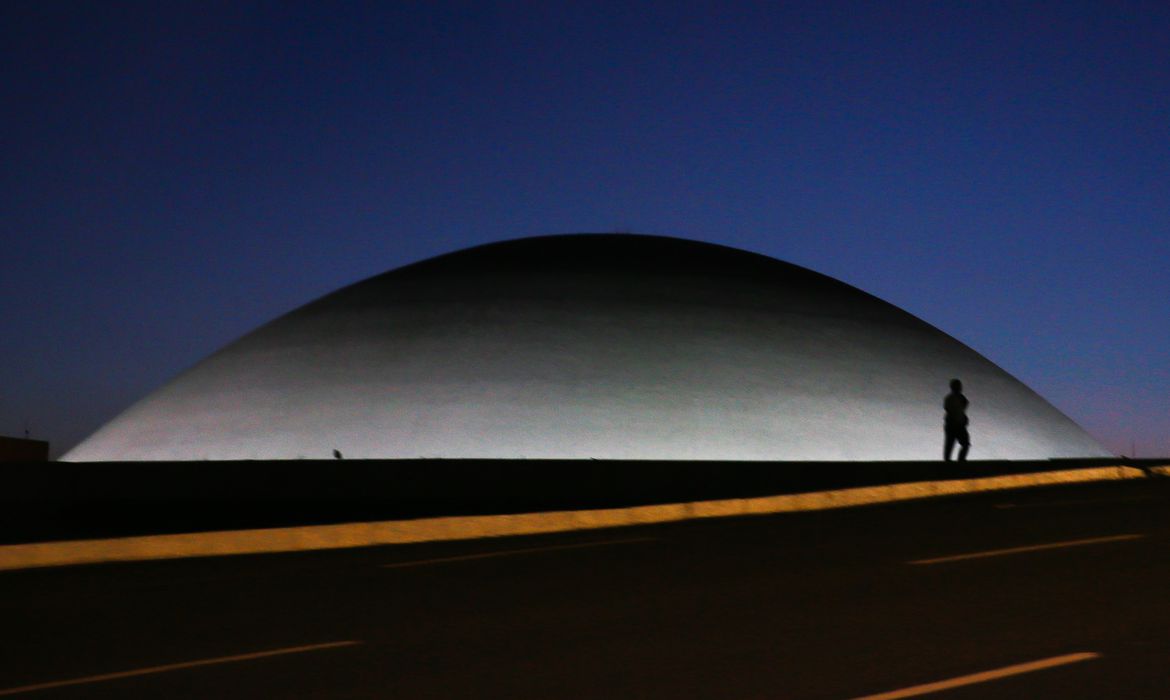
(174, 174)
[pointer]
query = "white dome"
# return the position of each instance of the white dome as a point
(589, 346)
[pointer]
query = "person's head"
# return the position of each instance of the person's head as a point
(956, 386)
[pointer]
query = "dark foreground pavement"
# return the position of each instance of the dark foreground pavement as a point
(817, 605)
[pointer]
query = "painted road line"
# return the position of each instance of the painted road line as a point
(1029, 548)
(983, 677)
(174, 667)
(513, 552)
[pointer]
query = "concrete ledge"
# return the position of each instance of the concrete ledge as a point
(318, 537)
(61, 501)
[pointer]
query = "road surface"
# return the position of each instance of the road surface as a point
(1044, 593)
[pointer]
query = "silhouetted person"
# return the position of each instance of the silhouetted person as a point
(955, 426)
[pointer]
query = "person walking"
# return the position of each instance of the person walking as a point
(955, 425)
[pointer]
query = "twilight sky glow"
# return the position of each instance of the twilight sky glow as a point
(177, 173)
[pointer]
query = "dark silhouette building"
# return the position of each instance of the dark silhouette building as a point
(23, 450)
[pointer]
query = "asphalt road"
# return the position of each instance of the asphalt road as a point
(1066, 598)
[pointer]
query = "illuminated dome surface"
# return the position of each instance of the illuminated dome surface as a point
(589, 346)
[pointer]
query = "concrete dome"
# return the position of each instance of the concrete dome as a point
(589, 346)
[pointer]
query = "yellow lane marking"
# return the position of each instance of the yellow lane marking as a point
(173, 667)
(513, 552)
(1030, 548)
(983, 677)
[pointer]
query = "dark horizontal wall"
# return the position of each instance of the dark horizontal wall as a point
(53, 501)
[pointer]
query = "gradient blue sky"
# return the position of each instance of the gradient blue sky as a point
(175, 174)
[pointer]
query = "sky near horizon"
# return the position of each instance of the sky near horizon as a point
(176, 174)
